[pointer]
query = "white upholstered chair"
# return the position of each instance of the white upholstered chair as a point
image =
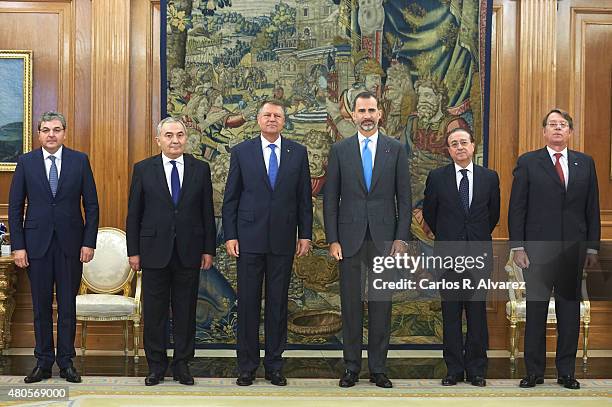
(516, 309)
(106, 288)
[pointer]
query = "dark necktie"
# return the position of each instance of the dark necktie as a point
(559, 169)
(53, 176)
(175, 183)
(464, 190)
(366, 161)
(272, 165)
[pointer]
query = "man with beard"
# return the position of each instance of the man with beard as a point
(399, 100)
(367, 214)
(425, 140)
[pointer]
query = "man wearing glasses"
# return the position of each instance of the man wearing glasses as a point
(461, 208)
(554, 227)
(53, 241)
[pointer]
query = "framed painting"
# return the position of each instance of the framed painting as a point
(15, 106)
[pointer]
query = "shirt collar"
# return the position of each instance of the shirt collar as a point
(179, 160)
(470, 167)
(57, 154)
(265, 143)
(552, 152)
(373, 137)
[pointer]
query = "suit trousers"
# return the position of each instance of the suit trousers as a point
(252, 268)
(355, 271)
(54, 268)
(563, 276)
(175, 286)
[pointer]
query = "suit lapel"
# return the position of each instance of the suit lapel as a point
(160, 174)
(548, 166)
(188, 176)
(574, 167)
(259, 162)
(286, 155)
(478, 186)
(42, 171)
(67, 164)
(382, 153)
(451, 185)
(355, 158)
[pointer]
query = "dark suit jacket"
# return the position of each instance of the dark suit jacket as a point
(443, 210)
(46, 214)
(154, 224)
(541, 209)
(262, 219)
(349, 209)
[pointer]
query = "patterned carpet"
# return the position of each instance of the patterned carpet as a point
(130, 391)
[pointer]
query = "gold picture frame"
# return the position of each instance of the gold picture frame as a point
(15, 106)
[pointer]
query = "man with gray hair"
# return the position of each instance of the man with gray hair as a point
(53, 242)
(170, 231)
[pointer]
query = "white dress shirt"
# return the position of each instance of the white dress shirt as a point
(470, 175)
(371, 145)
(180, 166)
(58, 160)
(562, 160)
(267, 151)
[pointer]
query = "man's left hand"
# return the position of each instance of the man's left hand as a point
(590, 261)
(207, 261)
(398, 247)
(303, 246)
(87, 254)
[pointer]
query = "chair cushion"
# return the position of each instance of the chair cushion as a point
(552, 316)
(104, 305)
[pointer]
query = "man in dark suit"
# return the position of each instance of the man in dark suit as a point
(170, 234)
(554, 226)
(367, 214)
(267, 200)
(461, 207)
(53, 240)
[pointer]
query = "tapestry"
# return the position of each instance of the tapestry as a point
(426, 60)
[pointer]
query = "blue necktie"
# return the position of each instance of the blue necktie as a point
(272, 166)
(366, 161)
(53, 178)
(464, 190)
(175, 183)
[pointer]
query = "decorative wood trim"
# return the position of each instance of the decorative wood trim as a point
(537, 69)
(110, 76)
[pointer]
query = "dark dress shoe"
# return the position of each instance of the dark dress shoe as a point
(183, 377)
(530, 381)
(348, 379)
(70, 374)
(245, 378)
(452, 380)
(381, 380)
(38, 374)
(154, 379)
(478, 381)
(276, 378)
(569, 382)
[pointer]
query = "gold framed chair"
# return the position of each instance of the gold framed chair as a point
(106, 288)
(516, 309)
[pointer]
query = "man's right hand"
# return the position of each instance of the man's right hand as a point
(134, 262)
(521, 259)
(335, 250)
(21, 258)
(232, 248)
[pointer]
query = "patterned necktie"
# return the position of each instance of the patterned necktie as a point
(272, 165)
(53, 176)
(464, 190)
(175, 183)
(559, 169)
(366, 161)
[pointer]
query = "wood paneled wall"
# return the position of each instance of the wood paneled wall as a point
(98, 62)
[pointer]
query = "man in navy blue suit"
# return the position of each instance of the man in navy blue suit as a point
(267, 200)
(53, 240)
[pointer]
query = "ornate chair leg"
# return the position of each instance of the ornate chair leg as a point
(513, 346)
(83, 338)
(585, 346)
(125, 338)
(136, 338)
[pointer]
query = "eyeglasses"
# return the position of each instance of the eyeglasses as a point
(46, 130)
(554, 125)
(462, 143)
